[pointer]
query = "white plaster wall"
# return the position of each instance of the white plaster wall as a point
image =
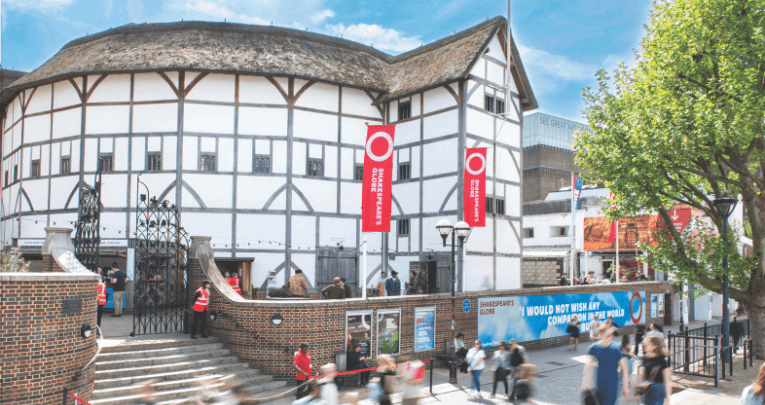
(169, 152)
(496, 74)
(330, 161)
(435, 191)
(155, 117)
(263, 263)
(437, 99)
(408, 132)
(120, 148)
(354, 131)
(190, 154)
(408, 196)
(316, 126)
(350, 203)
(37, 129)
(64, 94)
(61, 188)
(320, 96)
(115, 87)
(513, 199)
(254, 191)
(510, 134)
(214, 189)
(303, 232)
(322, 194)
(218, 226)
(508, 273)
(307, 263)
(40, 100)
(205, 118)
(66, 123)
(138, 155)
(151, 87)
(481, 238)
(262, 121)
(446, 123)
(299, 156)
(480, 124)
(507, 242)
(107, 119)
(244, 155)
(337, 230)
(225, 155)
(479, 273)
(440, 157)
(357, 102)
(213, 87)
(279, 157)
(258, 90)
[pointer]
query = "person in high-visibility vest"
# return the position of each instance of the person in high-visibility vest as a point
(201, 299)
(101, 298)
(234, 283)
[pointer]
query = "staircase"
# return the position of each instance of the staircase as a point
(176, 369)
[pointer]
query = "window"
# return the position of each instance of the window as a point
(494, 104)
(315, 168)
(358, 173)
(261, 164)
(404, 171)
(36, 169)
(528, 233)
(500, 205)
(558, 231)
(107, 163)
(15, 172)
(403, 227)
(154, 162)
(489, 205)
(66, 164)
(207, 163)
(404, 110)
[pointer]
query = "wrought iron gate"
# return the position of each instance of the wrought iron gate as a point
(161, 248)
(87, 237)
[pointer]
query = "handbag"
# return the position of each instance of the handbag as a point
(589, 398)
(643, 387)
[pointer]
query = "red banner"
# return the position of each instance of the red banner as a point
(475, 187)
(378, 174)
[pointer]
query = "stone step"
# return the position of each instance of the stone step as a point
(121, 381)
(137, 345)
(174, 396)
(249, 375)
(160, 360)
(276, 389)
(142, 354)
(164, 368)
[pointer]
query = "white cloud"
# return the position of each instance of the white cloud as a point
(545, 63)
(39, 5)
(383, 38)
(323, 15)
(218, 9)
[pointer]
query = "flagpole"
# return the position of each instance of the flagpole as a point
(364, 269)
(573, 224)
(617, 251)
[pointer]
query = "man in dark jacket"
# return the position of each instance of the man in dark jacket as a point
(736, 331)
(346, 287)
(118, 288)
(335, 291)
(393, 285)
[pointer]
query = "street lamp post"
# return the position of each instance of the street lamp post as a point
(725, 207)
(462, 229)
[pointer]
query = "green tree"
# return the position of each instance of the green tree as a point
(685, 126)
(11, 261)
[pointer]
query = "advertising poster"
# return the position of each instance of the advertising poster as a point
(660, 305)
(424, 329)
(537, 317)
(654, 305)
(389, 331)
(358, 328)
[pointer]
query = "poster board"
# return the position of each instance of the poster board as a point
(535, 317)
(389, 331)
(660, 305)
(654, 305)
(358, 327)
(424, 329)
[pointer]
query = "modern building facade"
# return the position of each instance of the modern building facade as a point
(257, 134)
(548, 154)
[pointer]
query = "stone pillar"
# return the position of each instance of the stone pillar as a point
(55, 239)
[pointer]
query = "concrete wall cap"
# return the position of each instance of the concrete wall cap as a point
(57, 239)
(200, 245)
(47, 277)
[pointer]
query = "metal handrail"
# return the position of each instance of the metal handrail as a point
(100, 345)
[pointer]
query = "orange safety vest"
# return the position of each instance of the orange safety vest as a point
(101, 294)
(234, 283)
(201, 304)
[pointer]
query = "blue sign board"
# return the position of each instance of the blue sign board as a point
(466, 305)
(537, 317)
(424, 329)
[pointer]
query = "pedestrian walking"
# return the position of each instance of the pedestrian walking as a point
(573, 330)
(381, 284)
(595, 328)
(297, 285)
(393, 284)
(118, 288)
(459, 346)
(526, 374)
(608, 356)
(518, 357)
(475, 358)
(627, 352)
(334, 291)
(101, 298)
(501, 367)
(312, 394)
(329, 392)
(639, 335)
(357, 361)
(302, 367)
(656, 373)
(754, 394)
(387, 372)
(413, 376)
(201, 299)
(736, 331)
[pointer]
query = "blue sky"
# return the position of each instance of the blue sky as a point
(562, 42)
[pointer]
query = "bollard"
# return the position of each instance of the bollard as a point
(717, 361)
(687, 351)
(431, 375)
(705, 345)
(66, 391)
(745, 355)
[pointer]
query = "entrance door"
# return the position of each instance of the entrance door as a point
(335, 262)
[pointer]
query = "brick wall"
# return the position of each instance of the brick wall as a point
(541, 272)
(41, 346)
(247, 330)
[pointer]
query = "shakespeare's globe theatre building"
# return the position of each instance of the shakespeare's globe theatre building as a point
(257, 134)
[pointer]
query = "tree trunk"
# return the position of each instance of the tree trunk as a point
(757, 332)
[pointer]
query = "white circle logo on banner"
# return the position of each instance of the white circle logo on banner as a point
(483, 164)
(369, 146)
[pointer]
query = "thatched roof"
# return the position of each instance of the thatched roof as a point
(8, 76)
(263, 50)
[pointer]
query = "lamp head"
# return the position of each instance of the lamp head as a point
(444, 228)
(86, 331)
(213, 315)
(462, 229)
(277, 319)
(725, 206)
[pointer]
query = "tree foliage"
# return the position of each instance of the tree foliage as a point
(12, 262)
(685, 126)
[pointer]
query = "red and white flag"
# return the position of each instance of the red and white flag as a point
(475, 187)
(378, 174)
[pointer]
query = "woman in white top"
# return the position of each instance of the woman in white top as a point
(475, 358)
(753, 394)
